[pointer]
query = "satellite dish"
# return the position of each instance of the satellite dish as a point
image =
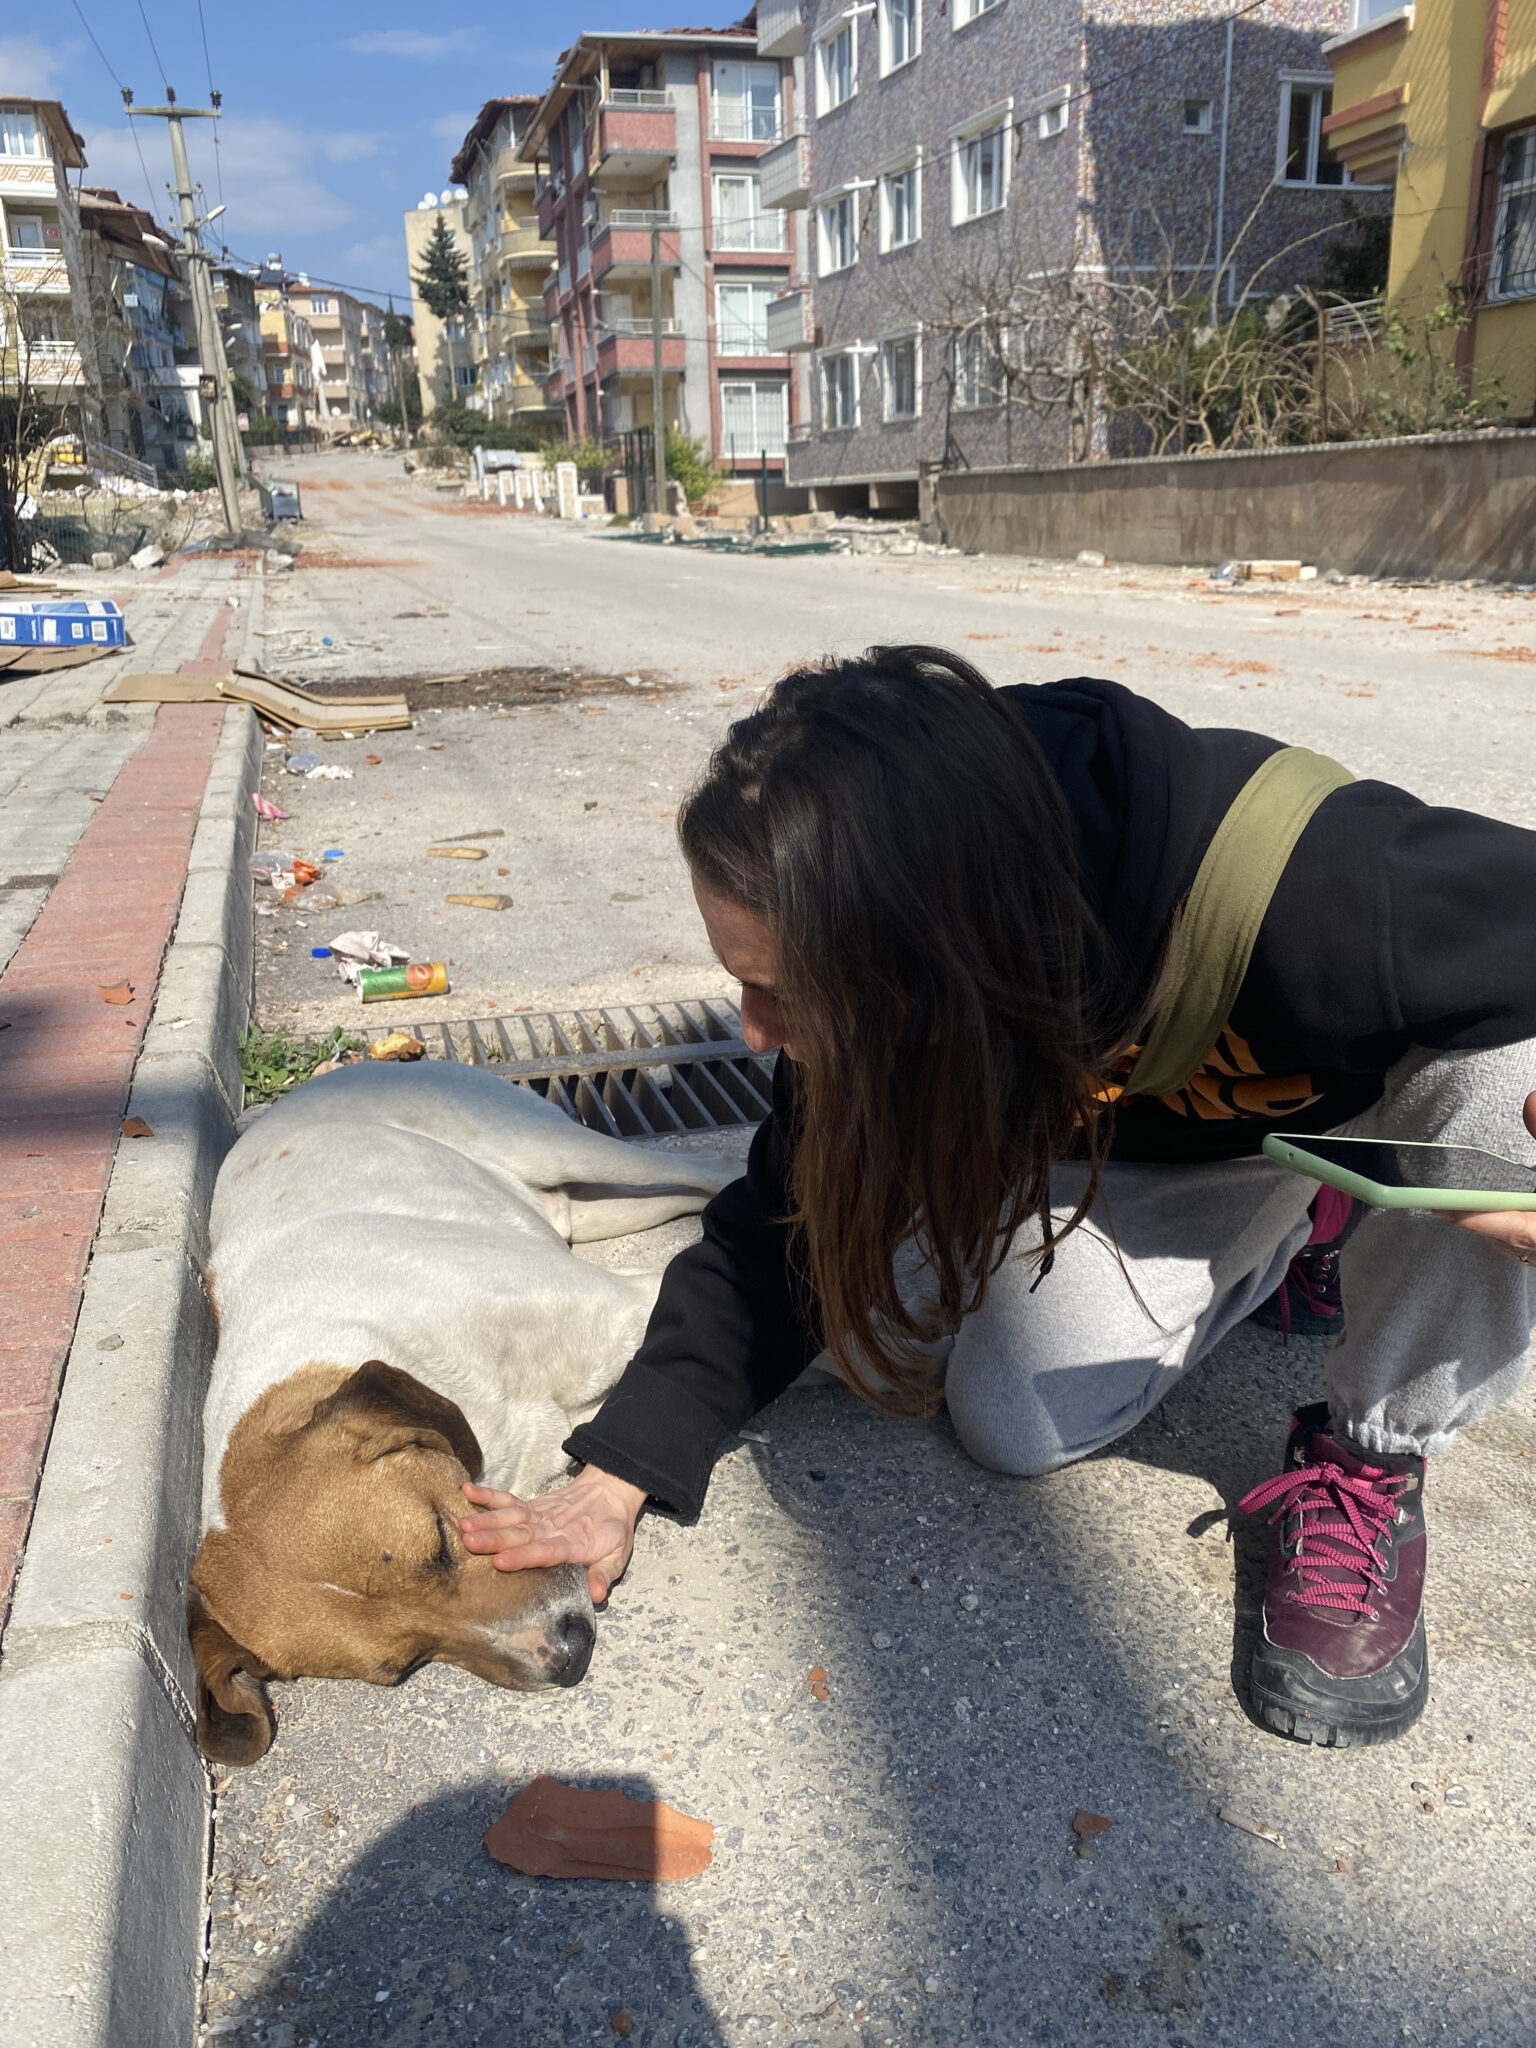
(426, 202)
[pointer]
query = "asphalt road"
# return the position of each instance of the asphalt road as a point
(896, 1864)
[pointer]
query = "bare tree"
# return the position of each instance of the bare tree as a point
(27, 422)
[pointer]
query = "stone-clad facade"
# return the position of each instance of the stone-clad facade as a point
(1046, 136)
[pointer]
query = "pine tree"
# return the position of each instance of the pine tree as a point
(443, 281)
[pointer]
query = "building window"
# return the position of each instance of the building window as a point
(741, 316)
(836, 68)
(20, 134)
(839, 392)
(900, 34)
(1305, 158)
(740, 222)
(464, 375)
(1054, 113)
(978, 370)
(900, 219)
(318, 304)
(981, 173)
(898, 377)
(753, 419)
(746, 102)
(970, 10)
(1197, 117)
(1514, 236)
(837, 226)
(24, 236)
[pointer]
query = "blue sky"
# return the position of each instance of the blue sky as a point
(334, 123)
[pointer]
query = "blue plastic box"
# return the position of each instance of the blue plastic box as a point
(60, 622)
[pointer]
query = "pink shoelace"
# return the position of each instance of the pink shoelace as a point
(1341, 1517)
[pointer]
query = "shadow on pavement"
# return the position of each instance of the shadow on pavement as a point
(426, 1942)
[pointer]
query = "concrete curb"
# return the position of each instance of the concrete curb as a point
(104, 1806)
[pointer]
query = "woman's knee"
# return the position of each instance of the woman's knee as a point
(1004, 1428)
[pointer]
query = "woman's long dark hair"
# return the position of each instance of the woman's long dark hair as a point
(898, 826)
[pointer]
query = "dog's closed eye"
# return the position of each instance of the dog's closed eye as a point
(444, 1561)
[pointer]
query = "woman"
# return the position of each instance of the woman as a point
(951, 907)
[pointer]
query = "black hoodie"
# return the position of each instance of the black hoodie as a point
(1395, 924)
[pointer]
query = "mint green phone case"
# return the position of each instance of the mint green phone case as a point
(1292, 1151)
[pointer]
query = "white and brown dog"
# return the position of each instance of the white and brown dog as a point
(399, 1311)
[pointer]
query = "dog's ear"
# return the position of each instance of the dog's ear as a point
(393, 1410)
(235, 1721)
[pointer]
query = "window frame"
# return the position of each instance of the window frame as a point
(913, 339)
(835, 201)
(758, 290)
(996, 121)
(1525, 190)
(853, 360)
(888, 65)
(1048, 107)
(912, 169)
(746, 65)
(40, 153)
(970, 339)
(845, 24)
(1207, 126)
(1320, 86)
(967, 11)
(757, 386)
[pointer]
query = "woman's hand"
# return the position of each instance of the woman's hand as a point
(1512, 1231)
(591, 1521)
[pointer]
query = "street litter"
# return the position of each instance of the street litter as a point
(816, 1679)
(300, 764)
(355, 950)
(481, 902)
(556, 1830)
(457, 838)
(119, 992)
(456, 853)
(394, 984)
(135, 1127)
(397, 1045)
(265, 808)
(277, 699)
(1248, 1827)
(1086, 1824)
(327, 771)
(332, 853)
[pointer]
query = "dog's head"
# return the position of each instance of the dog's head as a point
(340, 1557)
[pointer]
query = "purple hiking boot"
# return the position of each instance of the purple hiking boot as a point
(1309, 1302)
(1343, 1661)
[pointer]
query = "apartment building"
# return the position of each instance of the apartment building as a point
(1439, 100)
(335, 320)
(138, 312)
(665, 133)
(41, 261)
(963, 167)
(288, 349)
(445, 360)
(239, 318)
(509, 263)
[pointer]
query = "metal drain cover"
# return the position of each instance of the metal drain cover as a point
(632, 1070)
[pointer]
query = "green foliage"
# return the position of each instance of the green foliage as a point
(1356, 262)
(410, 384)
(443, 279)
(397, 332)
(272, 1062)
(263, 431)
(1415, 386)
(589, 456)
(439, 455)
(690, 464)
(466, 428)
(244, 392)
(196, 473)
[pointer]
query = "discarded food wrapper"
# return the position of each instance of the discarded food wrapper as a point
(386, 984)
(397, 1045)
(481, 902)
(265, 808)
(300, 764)
(266, 867)
(456, 853)
(327, 771)
(555, 1830)
(354, 950)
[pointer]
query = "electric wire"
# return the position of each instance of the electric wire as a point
(159, 61)
(106, 62)
(218, 161)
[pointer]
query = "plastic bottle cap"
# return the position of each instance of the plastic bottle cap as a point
(319, 952)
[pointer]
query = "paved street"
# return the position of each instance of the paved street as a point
(895, 1864)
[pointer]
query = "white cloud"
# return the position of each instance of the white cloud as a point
(417, 45)
(269, 169)
(348, 145)
(376, 261)
(31, 67)
(452, 128)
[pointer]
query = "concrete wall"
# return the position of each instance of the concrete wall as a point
(1452, 505)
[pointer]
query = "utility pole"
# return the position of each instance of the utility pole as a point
(219, 402)
(658, 403)
(1221, 179)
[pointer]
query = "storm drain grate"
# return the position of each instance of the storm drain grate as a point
(633, 1070)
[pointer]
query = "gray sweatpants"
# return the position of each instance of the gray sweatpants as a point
(1437, 1322)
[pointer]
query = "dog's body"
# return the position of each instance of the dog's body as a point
(398, 1310)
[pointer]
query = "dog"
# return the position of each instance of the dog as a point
(398, 1310)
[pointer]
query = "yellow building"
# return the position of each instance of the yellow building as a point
(1441, 97)
(509, 263)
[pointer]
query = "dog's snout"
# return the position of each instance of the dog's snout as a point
(571, 1636)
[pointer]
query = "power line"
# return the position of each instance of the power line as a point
(164, 76)
(213, 100)
(137, 147)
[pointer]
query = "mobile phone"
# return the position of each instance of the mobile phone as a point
(1392, 1173)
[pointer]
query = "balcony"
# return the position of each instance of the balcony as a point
(33, 273)
(510, 169)
(621, 248)
(525, 326)
(636, 139)
(53, 365)
(737, 120)
(625, 349)
(780, 28)
(546, 198)
(766, 233)
(522, 243)
(784, 174)
(791, 324)
(583, 262)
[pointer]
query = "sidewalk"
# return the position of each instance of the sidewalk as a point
(97, 810)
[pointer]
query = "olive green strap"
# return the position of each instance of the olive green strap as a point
(1214, 940)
